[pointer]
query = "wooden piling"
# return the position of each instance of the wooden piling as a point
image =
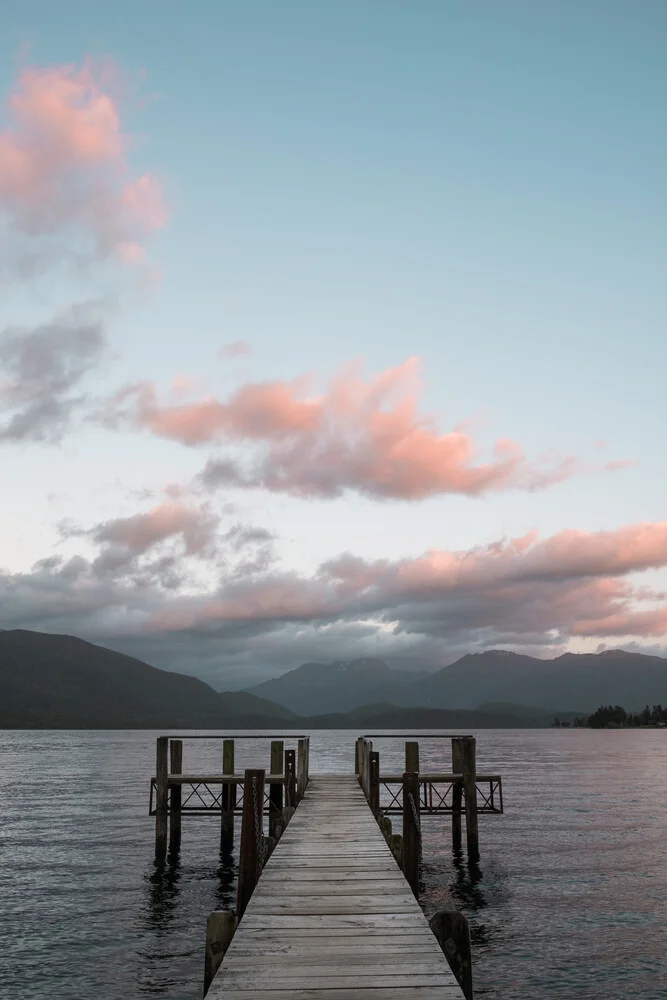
(227, 798)
(411, 830)
(468, 744)
(220, 928)
(175, 767)
(374, 781)
(276, 791)
(301, 769)
(358, 750)
(161, 794)
(290, 778)
(250, 853)
(412, 756)
(457, 793)
(452, 931)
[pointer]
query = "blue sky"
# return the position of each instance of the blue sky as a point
(479, 186)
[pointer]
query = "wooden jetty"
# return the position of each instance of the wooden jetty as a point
(332, 916)
(335, 914)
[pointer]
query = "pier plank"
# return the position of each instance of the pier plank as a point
(332, 917)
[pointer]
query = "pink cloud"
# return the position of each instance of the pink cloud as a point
(361, 435)
(572, 584)
(64, 168)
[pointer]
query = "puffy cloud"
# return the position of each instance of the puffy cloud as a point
(41, 374)
(359, 435)
(64, 171)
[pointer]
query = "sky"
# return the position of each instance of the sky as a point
(334, 330)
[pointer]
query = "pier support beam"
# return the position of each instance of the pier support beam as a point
(161, 794)
(457, 793)
(276, 791)
(452, 931)
(252, 838)
(301, 770)
(290, 778)
(358, 750)
(374, 782)
(220, 928)
(411, 830)
(468, 744)
(227, 798)
(175, 767)
(412, 756)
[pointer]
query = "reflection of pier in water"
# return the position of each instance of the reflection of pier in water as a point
(335, 914)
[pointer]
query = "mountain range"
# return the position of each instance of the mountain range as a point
(574, 682)
(56, 681)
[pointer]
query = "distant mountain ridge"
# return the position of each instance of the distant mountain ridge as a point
(575, 682)
(340, 686)
(60, 681)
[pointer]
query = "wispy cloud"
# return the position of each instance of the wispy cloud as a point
(43, 371)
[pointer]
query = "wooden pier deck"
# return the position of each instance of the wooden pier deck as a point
(332, 916)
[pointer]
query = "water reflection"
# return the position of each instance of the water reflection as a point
(227, 872)
(162, 890)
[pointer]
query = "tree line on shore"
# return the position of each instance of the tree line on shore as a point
(616, 717)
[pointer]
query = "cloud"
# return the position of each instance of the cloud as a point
(363, 436)
(235, 349)
(140, 592)
(41, 374)
(64, 169)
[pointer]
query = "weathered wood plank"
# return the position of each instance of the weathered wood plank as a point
(332, 917)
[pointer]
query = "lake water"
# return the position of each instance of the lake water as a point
(569, 900)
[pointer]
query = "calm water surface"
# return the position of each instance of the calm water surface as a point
(569, 900)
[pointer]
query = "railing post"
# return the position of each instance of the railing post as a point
(252, 837)
(411, 830)
(161, 794)
(470, 788)
(176, 767)
(374, 782)
(452, 931)
(227, 798)
(276, 791)
(457, 793)
(220, 928)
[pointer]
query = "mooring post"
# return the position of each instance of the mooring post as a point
(357, 754)
(457, 793)
(227, 798)
(366, 772)
(452, 931)
(468, 744)
(220, 928)
(290, 778)
(252, 836)
(374, 782)
(307, 762)
(276, 791)
(412, 756)
(176, 767)
(411, 830)
(301, 770)
(161, 794)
